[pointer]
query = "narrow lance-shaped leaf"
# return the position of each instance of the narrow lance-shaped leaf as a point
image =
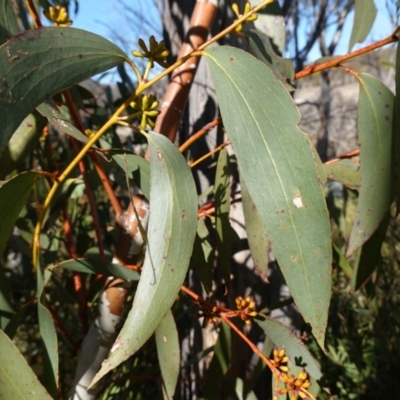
(168, 352)
(49, 110)
(375, 110)
(364, 17)
(222, 205)
(39, 63)
(277, 165)
(98, 267)
(171, 233)
(282, 336)
(48, 335)
(396, 135)
(8, 22)
(18, 381)
(17, 189)
(370, 256)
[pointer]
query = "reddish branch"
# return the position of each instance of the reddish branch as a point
(175, 98)
(313, 68)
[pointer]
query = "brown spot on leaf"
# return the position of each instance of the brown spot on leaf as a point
(183, 214)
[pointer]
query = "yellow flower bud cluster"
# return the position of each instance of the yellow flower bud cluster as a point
(156, 52)
(145, 110)
(247, 9)
(58, 15)
(246, 309)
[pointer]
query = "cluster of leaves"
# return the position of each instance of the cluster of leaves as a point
(53, 196)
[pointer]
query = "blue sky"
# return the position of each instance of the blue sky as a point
(94, 16)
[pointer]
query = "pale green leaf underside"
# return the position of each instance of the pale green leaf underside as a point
(18, 381)
(375, 111)
(169, 356)
(277, 165)
(171, 233)
(39, 63)
(282, 337)
(364, 17)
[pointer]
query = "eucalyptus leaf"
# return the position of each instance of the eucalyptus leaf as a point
(36, 64)
(17, 189)
(277, 165)
(90, 266)
(283, 337)
(18, 381)
(168, 351)
(364, 17)
(375, 114)
(171, 233)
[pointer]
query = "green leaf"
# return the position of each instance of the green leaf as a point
(168, 352)
(17, 189)
(276, 163)
(171, 233)
(340, 260)
(8, 22)
(48, 335)
(375, 110)
(89, 266)
(137, 168)
(16, 320)
(202, 256)
(261, 48)
(364, 17)
(39, 63)
(50, 110)
(20, 144)
(282, 336)
(370, 256)
(18, 381)
(256, 234)
(222, 206)
(396, 135)
(345, 172)
(271, 22)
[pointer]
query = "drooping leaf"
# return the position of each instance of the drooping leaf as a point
(375, 110)
(364, 17)
(20, 144)
(171, 233)
(89, 266)
(261, 47)
(8, 22)
(370, 256)
(256, 234)
(202, 256)
(340, 260)
(48, 335)
(283, 337)
(277, 165)
(16, 320)
(271, 22)
(168, 352)
(49, 110)
(222, 206)
(39, 63)
(17, 189)
(396, 135)
(137, 168)
(18, 381)
(345, 172)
